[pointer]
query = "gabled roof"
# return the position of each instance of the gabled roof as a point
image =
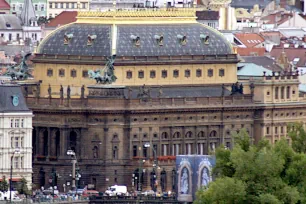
(63, 18)
(276, 18)
(4, 5)
(263, 61)
(249, 39)
(251, 69)
(10, 22)
(207, 15)
(297, 54)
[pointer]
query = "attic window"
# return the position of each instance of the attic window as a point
(182, 39)
(67, 38)
(8, 25)
(204, 39)
(91, 39)
(159, 39)
(136, 39)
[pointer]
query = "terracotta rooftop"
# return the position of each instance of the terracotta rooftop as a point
(63, 18)
(251, 51)
(207, 15)
(276, 18)
(4, 5)
(249, 39)
(296, 55)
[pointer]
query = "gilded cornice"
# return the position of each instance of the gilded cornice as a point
(138, 16)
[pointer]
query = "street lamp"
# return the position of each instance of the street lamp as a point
(74, 161)
(17, 151)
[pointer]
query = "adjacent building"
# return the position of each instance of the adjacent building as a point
(55, 7)
(4, 7)
(40, 7)
(15, 134)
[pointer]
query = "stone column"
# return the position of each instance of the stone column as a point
(41, 141)
(63, 142)
(37, 129)
(49, 142)
(52, 143)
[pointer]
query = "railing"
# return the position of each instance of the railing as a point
(134, 199)
(136, 104)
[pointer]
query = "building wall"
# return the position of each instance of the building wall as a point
(40, 7)
(16, 133)
(230, 75)
(55, 7)
(11, 35)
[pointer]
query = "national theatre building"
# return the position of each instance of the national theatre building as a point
(167, 86)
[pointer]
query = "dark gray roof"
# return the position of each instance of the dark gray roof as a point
(249, 4)
(264, 61)
(182, 92)
(54, 44)
(7, 91)
(13, 21)
(13, 50)
(149, 47)
(207, 15)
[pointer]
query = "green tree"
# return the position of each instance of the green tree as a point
(268, 174)
(223, 191)
(3, 185)
(23, 187)
(297, 134)
(242, 139)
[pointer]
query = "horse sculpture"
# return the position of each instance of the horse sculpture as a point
(20, 71)
(106, 75)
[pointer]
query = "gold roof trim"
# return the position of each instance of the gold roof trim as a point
(182, 12)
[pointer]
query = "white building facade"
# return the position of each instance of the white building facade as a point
(15, 135)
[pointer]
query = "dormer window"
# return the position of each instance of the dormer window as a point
(67, 38)
(136, 40)
(8, 25)
(159, 39)
(182, 39)
(204, 39)
(91, 39)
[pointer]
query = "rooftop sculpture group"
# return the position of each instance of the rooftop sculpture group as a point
(20, 71)
(105, 75)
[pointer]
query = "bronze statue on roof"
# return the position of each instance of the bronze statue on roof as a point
(20, 71)
(105, 75)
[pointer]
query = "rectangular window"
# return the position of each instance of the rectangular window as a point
(228, 145)
(50, 72)
(16, 163)
(10, 36)
(210, 72)
(21, 162)
(187, 73)
(16, 123)
(36, 7)
(85, 74)
(12, 123)
(276, 92)
(62, 5)
(73, 73)
(14, 7)
(16, 143)
(267, 130)
(135, 151)
(50, 6)
(145, 152)
(199, 73)
(221, 72)
(21, 142)
(152, 74)
(175, 73)
(154, 150)
(129, 74)
(22, 123)
(282, 92)
(282, 129)
(276, 130)
(61, 72)
(42, 8)
(115, 152)
(56, 5)
(164, 73)
(141, 74)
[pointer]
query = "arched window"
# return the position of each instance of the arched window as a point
(213, 133)
(201, 134)
(165, 135)
(177, 135)
(95, 152)
(163, 180)
(73, 140)
(188, 134)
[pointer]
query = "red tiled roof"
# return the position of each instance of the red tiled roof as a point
(276, 18)
(291, 54)
(4, 5)
(249, 39)
(63, 18)
(252, 51)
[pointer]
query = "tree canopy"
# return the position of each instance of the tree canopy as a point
(3, 184)
(260, 173)
(23, 187)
